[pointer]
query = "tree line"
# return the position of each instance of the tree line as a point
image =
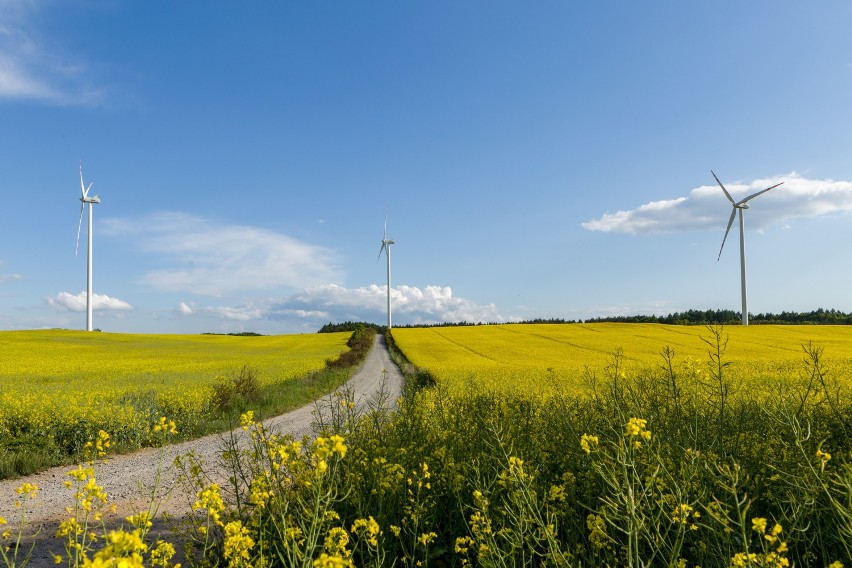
(689, 317)
(705, 317)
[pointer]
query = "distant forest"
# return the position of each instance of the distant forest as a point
(689, 317)
(704, 317)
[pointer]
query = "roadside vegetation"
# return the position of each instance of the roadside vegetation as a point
(58, 389)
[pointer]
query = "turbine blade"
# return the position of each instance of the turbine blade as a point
(381, 250)
(730, 222)
(728, 195)
(86, 193)
(79, 226)
(82, 185)
(753, 195)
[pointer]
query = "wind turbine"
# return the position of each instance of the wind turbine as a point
(386, 245)
(84, 199)
(738, 206)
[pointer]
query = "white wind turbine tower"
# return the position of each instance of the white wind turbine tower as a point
(386, 245)
(84, 199)
(738, 206)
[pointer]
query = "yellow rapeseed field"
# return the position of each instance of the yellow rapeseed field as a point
(51, 380)
(540, 357)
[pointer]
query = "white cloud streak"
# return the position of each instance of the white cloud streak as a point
(706, 207)
(8, 277)
(66, 301)
(213, 259)
(240, 313)
(31, 71)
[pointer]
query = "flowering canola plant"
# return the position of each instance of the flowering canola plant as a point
(542, 358)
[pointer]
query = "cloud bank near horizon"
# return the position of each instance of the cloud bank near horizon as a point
(332, 303)
(706, 207)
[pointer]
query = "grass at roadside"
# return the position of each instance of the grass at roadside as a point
(122, 384)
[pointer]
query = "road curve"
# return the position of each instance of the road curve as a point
(128, 479)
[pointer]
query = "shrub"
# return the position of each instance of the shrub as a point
(237, 391)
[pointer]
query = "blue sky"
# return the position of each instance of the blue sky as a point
(547, 159)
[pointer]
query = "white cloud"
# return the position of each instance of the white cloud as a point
(706, 207)
(320, 304)
(77, 303)
(240, 313)
(32, 71)
(213, 259)
(432, 304)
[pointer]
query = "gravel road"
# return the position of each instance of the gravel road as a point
(128, 478)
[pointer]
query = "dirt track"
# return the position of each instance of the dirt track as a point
(128, 479)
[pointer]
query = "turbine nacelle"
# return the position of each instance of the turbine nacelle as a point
(741, 204)
(95, 199)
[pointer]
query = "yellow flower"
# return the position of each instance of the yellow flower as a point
(823, 456)
(123, 549)
(463, 544)
(587, 441)
(162, 553)
(102, 443)
(69, 528)
(427, 538)
(237, 543)
(259, 492)
(140, 520)
(758, 524)
(681, 513)
(247, 419)
(30, 489)
(338, 446)
(81, 473)
(371, 530)
(636, 427)
(211, 500)
(327, 561)
(166, 426)
(556, 494)
(776, 530)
